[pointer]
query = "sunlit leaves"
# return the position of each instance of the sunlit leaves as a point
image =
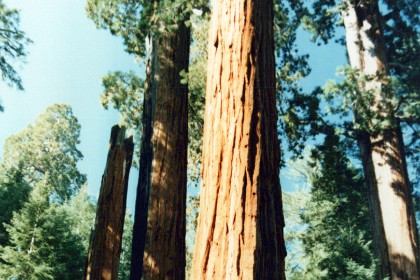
(48, 147)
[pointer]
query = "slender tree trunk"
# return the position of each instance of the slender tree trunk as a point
(163, 166)
(105, 247)
(146, 157)
(383, 158)
(240, 225)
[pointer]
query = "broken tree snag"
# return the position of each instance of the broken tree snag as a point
(105, 246)
(240, 225)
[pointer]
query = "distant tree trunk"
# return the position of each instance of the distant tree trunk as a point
(240, 224)
(391, 206)
(105, 246)
(163, 163)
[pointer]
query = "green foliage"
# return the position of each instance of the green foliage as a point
(43, 245)
(193, 202)
(134, 20)
(125, 256)
(124, 92)
(196, 78)
(49, 146)
(300, 118)
(13, 193)
(336, 241)
(12, 45)
(81, 211)
(46, 223)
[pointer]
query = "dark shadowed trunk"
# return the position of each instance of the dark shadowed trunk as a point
(240, 225)
(105, 246)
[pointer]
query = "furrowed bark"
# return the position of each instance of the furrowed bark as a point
(105, 247)
(160, 240)
(164, 255)
(240, 225)
(391, 206)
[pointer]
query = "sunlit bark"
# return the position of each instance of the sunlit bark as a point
(240, 225)
(159, 251)
(105, 248)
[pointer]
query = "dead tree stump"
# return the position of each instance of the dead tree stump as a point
(105, 245)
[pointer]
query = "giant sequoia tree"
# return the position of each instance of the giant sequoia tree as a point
(157, 31)
(380, 92)
(240, 226)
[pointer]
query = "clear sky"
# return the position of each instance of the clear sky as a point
(65, 65)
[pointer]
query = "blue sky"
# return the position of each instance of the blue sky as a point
(65, 64)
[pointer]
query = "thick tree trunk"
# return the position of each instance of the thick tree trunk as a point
(105, 247)
(163, 167)
(240, 226)
(383, 158)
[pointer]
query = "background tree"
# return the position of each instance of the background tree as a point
(49, 146)
(380, 98)
(45, 235)
(337, 240)
(12, 46)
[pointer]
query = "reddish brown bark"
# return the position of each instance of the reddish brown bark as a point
(105, 247)
(240, 225)
(163, 180)
(394, 227)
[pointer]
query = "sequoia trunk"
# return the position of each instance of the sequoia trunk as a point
(240, 225)
(394, 226)
(159, 229)
(105, 247)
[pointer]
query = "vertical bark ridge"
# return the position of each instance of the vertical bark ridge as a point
(164, 255)
(240, 227)
(105, 247)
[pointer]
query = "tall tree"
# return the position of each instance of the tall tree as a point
(240, 225)
(48, 146)
(161, 199)
(12, 46)
(47, 234)
(379, 105)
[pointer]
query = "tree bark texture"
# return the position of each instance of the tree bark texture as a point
(163, 166)
(395, 237)
(240, 225)
(105, 246)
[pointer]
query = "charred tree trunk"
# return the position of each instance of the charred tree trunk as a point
(240, 225)
(145, 168)
(159, 229)
(394, 227)
(105, 246)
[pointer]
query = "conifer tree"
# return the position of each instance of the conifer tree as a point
(337, 239)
